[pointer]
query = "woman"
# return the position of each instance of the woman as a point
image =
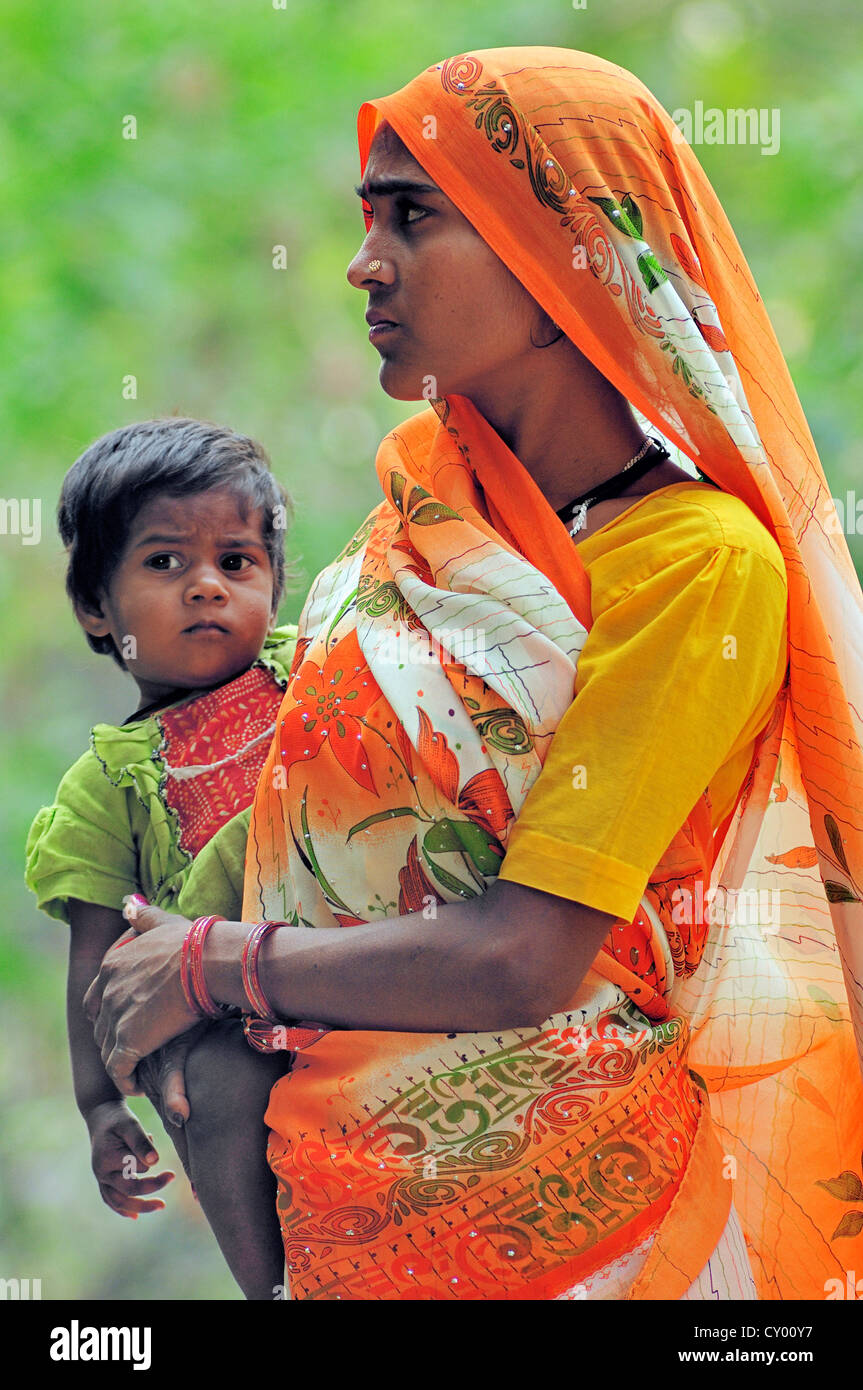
(535, 1086)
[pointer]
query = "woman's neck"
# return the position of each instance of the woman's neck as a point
(562, 419)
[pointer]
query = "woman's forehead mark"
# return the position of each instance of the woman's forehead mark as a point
(390, 161)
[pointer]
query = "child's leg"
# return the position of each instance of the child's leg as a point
(228, 1086)
(223, 1148)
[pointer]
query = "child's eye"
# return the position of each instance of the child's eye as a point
(162, 562)
(227, 562)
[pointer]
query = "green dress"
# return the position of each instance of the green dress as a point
(160, 805)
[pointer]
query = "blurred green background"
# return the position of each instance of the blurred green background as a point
(153, 258)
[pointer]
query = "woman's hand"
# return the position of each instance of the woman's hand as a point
(136, 1002)
(162, 1077)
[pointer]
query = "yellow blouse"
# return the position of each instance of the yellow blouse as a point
(677, 678)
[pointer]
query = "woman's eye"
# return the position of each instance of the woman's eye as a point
(243, 561)
(403, 211)
(162, 562)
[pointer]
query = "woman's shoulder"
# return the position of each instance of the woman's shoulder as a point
(684, 519)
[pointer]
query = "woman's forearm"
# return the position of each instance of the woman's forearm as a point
(510, 959)
(407, 974)
(476, 966)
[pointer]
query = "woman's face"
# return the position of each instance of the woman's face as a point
(463, 322)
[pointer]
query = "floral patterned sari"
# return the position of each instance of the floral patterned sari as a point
(436, 657)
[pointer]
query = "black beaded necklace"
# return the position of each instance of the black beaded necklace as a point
(574, 514)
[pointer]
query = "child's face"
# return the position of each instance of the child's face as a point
(190, 602)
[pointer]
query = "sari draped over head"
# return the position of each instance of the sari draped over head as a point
(436, 658)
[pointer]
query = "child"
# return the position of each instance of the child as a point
(174, 533)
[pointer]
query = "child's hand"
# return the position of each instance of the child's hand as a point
(120, 1151)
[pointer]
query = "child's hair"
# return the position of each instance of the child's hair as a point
(118, 474)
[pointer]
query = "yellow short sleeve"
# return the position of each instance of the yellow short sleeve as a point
(678, 676)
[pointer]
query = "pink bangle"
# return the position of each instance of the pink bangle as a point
(195, 990)
(261, 1006)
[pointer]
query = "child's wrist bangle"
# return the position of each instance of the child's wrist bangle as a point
(259, 1002)
(197, 995)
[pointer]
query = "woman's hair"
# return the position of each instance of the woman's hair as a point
(118, 474)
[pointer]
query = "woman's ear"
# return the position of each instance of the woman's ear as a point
(92, 620)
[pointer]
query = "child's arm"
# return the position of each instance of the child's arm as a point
(120, 1148)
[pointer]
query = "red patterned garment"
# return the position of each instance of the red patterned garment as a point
(213, 749)
(160, 805)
